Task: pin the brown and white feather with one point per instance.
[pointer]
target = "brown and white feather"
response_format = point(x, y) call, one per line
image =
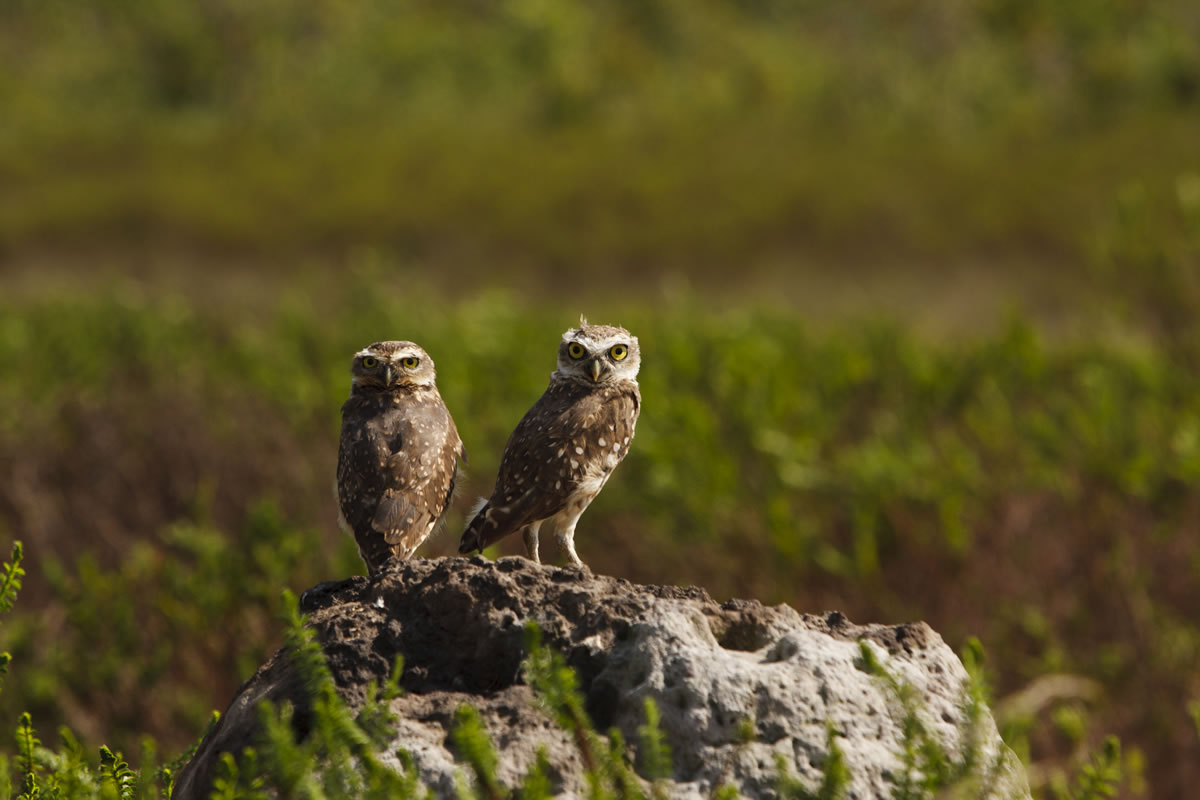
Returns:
point(398, 454)
point(567, 445)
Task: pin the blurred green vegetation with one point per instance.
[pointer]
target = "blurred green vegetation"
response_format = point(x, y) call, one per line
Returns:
point(167, 440)
point(1039, 495)
point(662, 130)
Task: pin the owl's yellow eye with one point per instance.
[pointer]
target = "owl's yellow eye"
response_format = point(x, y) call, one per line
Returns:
point(410, 362)
point(369, 362)
point(618, 352)
point(575, 350)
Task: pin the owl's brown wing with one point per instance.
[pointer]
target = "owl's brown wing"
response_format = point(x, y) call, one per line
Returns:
point(403, 517)
point(555, 447)
point(396, 470)
point(453, 451)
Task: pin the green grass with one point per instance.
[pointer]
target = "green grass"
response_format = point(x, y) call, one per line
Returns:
point(631, 132)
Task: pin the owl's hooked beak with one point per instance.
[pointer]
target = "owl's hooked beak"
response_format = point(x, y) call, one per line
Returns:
point(596, 369)
point(389, 375)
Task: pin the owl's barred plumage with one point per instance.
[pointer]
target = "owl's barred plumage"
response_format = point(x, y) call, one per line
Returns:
point(564, 449)
point(398, 453)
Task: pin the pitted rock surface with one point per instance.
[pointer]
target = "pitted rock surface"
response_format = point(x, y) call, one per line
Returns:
point(459, 623)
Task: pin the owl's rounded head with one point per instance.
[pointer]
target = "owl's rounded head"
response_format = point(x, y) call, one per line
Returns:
point(598, 354)
point(391, 365)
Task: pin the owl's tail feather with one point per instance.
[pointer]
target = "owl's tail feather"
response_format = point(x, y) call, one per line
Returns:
point(471, 540)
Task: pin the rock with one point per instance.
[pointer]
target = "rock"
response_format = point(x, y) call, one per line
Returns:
point(710, 667)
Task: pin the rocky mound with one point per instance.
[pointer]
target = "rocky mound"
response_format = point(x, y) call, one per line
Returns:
point(710, 667)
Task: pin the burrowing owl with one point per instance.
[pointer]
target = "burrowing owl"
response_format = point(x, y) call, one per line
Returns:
point(566, 446)
point(399, 451)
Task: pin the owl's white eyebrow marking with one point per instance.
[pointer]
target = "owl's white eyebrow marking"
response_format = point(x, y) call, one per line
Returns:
point(404, 352)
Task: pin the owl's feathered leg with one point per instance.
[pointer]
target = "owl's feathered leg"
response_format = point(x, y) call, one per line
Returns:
point(564, 534)
point(530, 534)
